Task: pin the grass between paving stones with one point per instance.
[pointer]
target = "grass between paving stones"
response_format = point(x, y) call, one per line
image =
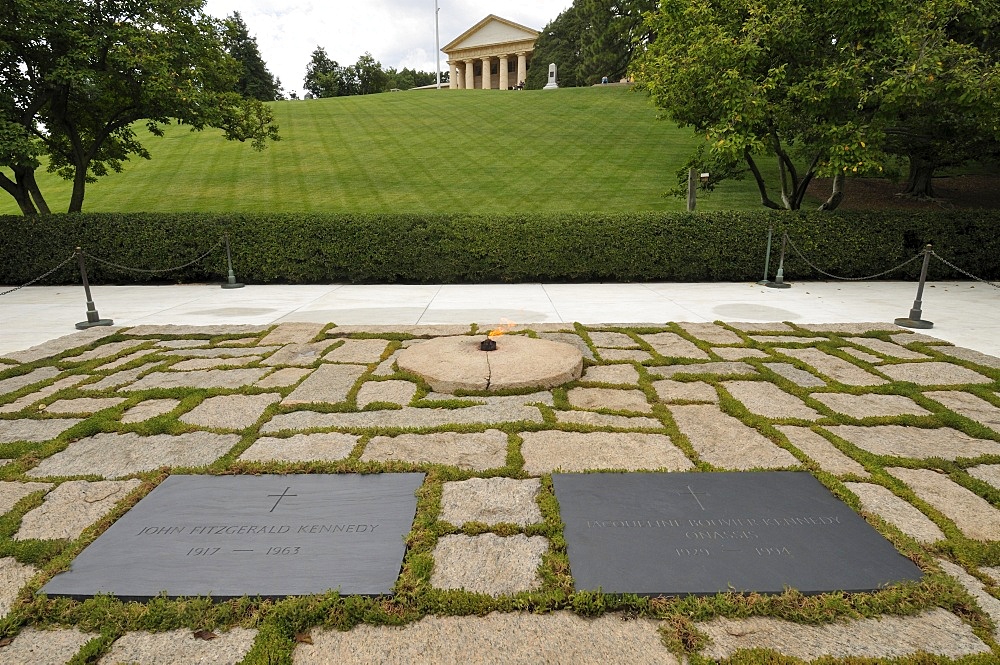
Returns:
point(283, 624)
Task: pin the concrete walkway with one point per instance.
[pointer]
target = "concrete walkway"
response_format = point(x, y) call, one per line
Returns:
point(964, 313)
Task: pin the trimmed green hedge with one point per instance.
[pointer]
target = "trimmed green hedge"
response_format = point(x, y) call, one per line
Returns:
point(675, 247)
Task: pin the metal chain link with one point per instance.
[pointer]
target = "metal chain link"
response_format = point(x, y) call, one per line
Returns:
point(38, 279)
point(964, 272)
point(153, 272)
point(850, 279)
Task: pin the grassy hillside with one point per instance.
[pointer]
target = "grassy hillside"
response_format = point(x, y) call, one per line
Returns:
point(590, 149)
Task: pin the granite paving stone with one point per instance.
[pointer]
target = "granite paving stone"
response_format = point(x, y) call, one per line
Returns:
point(605, 420)
point(632, 355)
point(972, 514)
point(836, 368)
point(612, 340)
point(125, 360)
point(988, 473)
point(284, 377)
point(364, 351)
point(15, 383)
point(209, 378)
point(118, 379)
point(37, 396)
point(212, 363)
point(970, 355)
point(298, 355)
point(134, 454)
point(540, 397)
point(182, 343)
point(824, 453)
point(219, 352)
point(557, 637)
point(691, 391)
point(754, 326)
point(711, 333)
point(799, 377)
point(768, 400)
point(45, 647)
point(385, 368)
point(984, 599)
point(788, 339)
point(329, 383)
point(416, 331)
point(573, 340)
point(849, 329)
point(293, 333)
point(13, 576)
point(72, 507)
point(915, 442)
point(718, 368)
point(870, 406)
point(888, 348)
point(672, 345)
point(488, 563)
point(393, 392)
point(53, 347)
point(738, 353)
point(173, 330)
point(230, 411)
point(83, 405)
point(407, 417)
point(993, 572)
point(863, 356)
point(547, 451)
point(180, 646)
point(968, 405)
point(34, 431)
point(896, 511)
point(725, 442)
point(322, 447)
point(12, 492)
point(491, 501)
point(935, 631)
point(609, 398)
point(150, 408)
point(910, 337)
point(933, 374)
point(470, 452)
point(105, 351)
point(616, 374)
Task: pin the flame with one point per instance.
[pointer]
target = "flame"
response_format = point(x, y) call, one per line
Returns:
point(506, 325)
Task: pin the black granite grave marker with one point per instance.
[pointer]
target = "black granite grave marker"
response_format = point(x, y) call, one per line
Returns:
point(704, 533)
point(270, 536)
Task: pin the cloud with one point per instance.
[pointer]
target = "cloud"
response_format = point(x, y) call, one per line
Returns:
point(398, 33)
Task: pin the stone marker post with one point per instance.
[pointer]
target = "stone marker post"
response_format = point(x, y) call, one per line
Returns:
point(553, 83)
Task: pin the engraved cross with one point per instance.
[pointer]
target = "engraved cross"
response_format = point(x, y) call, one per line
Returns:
point(694, 495)
point(280, 497)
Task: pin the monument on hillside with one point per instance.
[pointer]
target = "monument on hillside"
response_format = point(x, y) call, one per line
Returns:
point(553, 83)
point(494, 53)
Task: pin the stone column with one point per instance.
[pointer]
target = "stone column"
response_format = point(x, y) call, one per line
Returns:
point(504, 78)
point(453, 76)
point(522, 67)
point(487, 77)
point(470, 75)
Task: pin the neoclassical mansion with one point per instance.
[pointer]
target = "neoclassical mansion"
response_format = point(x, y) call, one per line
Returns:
point(493, 53)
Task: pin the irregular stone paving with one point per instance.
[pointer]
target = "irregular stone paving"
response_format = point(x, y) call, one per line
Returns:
point(517, 639)
point(824, 453)
point(915, 442)
point(488, 563)
point(319, 421)
point(72, 507)
point(62, 344)
point(901, 514)
point(546, 452)
point(936, 631)
point(711, 433)
point(870, 406)
point(491, 501)
point(972, 514)
point(766, 399)
point(180, 646)
point(836, 368)
point(119, 455)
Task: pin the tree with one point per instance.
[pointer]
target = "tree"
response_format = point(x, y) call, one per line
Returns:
point(324, 77)
point(255, 81)
point(612, 30)
point(368, 75)
point(559, 42)
point(78, 74)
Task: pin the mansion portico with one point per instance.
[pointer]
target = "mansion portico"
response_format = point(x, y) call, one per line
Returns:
point(493, 53)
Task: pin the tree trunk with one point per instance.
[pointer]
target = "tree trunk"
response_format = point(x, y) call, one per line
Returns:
point(79, 187)
point(36, 194)
point(837, 195)
point(19, 191)
point(761, 185)
point(920, 181)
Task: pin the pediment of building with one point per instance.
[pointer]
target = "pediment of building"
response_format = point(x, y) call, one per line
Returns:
point(491, 31)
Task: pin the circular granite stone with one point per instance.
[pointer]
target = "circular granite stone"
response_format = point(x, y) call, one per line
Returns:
point(456, 363)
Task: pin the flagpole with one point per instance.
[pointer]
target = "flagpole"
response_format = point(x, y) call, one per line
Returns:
point(437, 42)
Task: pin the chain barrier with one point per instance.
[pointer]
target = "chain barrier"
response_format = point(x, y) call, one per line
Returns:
point(851, 279)
point(38, 279)
point(159, 270)
point(954, 267)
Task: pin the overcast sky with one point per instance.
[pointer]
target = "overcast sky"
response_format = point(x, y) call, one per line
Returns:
point(398, 33)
